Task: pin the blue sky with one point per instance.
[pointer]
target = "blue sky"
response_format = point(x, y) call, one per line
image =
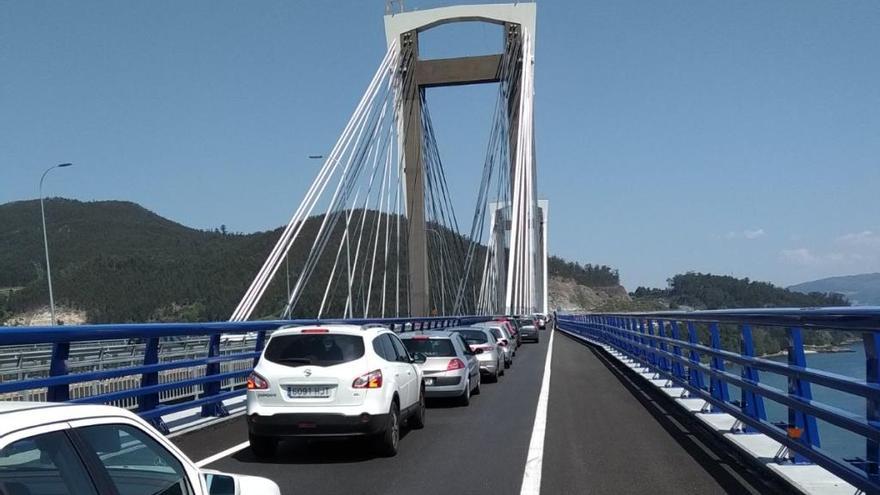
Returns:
point(739, 137)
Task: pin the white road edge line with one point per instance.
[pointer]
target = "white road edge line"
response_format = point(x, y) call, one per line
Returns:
point(220, 455)
point(531, 484)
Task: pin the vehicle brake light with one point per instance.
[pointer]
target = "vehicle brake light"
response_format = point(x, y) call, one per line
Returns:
point(455, 364)
point(315, 330)
point(502, 342)
point(372, 379)
point(420, 337)
point(256, 382)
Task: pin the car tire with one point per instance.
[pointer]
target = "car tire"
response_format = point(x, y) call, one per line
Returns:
point(477, 388)
point(501, 367)
point(263, 447)
point(387, 441)
point(507, 363)
point(464, 399)
point(417, 420)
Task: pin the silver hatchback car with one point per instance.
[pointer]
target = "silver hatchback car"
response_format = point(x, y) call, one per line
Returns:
point(503, 339)
point(489, 354)
point(452, 368)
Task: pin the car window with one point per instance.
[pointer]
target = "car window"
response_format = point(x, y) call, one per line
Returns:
point(384, 348)
point(464, 345)
point(474, 337)
point(496, 333)
point(136, 463)
point(324, 349)
point(430, 347)
point(43, 465)
point(402, 354)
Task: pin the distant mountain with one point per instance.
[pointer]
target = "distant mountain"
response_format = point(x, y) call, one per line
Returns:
point(861, 290)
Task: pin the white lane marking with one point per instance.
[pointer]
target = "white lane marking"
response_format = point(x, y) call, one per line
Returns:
point(220, 455)
point(531, 484)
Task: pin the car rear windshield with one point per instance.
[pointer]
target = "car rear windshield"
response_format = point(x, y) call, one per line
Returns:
point(314, 350)
point(430, 347)
point(473, 337)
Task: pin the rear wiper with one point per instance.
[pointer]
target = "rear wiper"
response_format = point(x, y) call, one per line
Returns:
point(294, 360)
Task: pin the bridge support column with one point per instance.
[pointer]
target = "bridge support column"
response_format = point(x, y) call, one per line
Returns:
point(417, 242)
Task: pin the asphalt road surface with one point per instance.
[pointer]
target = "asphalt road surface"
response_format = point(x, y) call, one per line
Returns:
point(604, 434)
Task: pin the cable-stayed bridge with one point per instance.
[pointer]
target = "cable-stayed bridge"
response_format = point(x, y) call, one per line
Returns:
point(388, 230)
point(604, 403)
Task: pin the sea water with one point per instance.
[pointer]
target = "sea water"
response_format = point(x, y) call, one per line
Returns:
point(837, 442)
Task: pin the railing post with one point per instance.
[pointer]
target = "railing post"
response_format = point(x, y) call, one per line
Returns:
point(752, 404)
point(717, 386)
point(661, 331)
point(652, 356)
point(695, 376)
point(58, 367)
point(213, 388)
point(872, 410)
point(643, 352)
point(259, 344)
point(148, 402)
point(804, 424)
point(677, 367)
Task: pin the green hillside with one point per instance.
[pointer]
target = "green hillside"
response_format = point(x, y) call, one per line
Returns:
point(123, 263)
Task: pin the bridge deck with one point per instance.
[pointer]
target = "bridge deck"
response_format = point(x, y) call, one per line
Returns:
point(604, 435)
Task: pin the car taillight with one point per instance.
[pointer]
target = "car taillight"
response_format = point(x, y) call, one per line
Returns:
point(372, 379)
point(502, 342)
point(455, 364)
point(489, 348)
point(315, 330)
point(256, 382)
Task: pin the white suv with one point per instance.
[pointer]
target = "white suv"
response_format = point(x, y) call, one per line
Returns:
point(335, 380)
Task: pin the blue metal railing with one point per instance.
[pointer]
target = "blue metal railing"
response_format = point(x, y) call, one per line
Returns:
point(697, 362)
point(149, 404)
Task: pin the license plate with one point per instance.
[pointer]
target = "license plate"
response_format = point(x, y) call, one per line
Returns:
point(429, 381)
point(309, 392)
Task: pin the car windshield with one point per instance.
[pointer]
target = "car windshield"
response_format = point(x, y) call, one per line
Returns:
point(523, 322)
point(430, 347)
point(474, 337)
point(314, 350)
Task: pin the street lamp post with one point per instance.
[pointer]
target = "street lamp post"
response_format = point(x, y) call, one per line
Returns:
point(46, 240)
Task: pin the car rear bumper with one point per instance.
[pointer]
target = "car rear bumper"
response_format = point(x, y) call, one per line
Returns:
point(316, 425)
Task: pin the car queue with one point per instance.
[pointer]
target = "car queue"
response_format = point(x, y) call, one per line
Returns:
point(344, 380)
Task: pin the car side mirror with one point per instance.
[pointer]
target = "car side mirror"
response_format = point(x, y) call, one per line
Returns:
point(236, 484)
point(419, 358)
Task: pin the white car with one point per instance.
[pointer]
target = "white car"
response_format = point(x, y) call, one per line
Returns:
point(95, 449)
point(332, 381)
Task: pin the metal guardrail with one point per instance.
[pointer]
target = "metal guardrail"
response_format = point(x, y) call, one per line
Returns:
point(154, 368)
point(685, 348)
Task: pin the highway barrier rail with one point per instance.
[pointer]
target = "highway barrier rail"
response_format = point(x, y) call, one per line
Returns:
point(155, 369)
point(686, 349)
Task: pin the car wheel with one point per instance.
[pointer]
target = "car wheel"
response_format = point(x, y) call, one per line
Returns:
point(417, 420)
point(501, 367)
point(507, 363)
point(477, 388)
point(465, 398)
point(388, 440)
point(263, 447)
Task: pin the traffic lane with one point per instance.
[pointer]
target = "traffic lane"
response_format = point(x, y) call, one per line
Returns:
point(466, 449)
point(607, 435)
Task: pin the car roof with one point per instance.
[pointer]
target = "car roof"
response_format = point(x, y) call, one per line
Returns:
point(17, 415)
point(431, 334)
point(346, 329)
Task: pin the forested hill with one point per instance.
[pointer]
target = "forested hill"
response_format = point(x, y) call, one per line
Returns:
point(120, 262)
point(706, 291)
